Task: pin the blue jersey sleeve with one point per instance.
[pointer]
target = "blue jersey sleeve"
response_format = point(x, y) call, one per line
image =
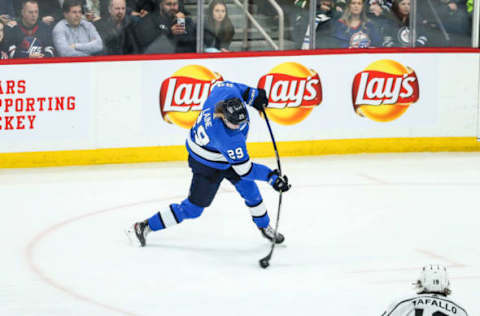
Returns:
point(258, 172)
point(226, 89)
point(215, 145)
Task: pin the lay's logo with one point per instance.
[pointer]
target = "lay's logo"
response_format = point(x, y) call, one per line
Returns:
point(293, 91)
point(183, 93)
point(384, 90)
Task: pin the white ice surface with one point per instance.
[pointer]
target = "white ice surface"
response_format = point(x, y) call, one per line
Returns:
point(358, 228)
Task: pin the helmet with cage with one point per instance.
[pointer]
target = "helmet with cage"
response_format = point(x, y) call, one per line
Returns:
point(433, 279)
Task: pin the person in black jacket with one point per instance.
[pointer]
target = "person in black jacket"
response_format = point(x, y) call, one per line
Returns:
point(397, 29)
point(117, 30)
point(447, 21)
point(325, 14)
point(30, 38)
point(141, 8)
point(167, 30)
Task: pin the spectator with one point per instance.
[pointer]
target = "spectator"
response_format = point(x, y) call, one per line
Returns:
point(117, 30)
point(397, 30)
point(50, 11)
point(219, 29)
point(354, 29)
point(326, 13)
point(3, 50)
point(449, 25)
point(141, 8)
point(73, 36)
point(379, 12)
point(338, 5)
point(92, 9)
point(30, 38)
point(160, 32)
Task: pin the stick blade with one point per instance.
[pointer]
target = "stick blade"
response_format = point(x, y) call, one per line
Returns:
point(264, 262)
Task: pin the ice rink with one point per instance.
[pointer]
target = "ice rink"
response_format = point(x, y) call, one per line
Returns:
point(358, 228)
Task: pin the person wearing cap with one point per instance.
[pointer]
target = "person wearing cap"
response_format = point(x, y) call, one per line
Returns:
point(217, 150)
point(433, 289)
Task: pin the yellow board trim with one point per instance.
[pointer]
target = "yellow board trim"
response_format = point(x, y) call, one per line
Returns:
point(294, 148)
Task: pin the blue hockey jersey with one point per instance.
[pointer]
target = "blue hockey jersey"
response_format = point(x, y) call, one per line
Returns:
point(213, 144)
point(363, 36)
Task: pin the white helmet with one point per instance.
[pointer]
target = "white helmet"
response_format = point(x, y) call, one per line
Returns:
point(433, 279)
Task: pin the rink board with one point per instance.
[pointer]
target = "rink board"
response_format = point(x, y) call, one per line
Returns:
point(117, 111)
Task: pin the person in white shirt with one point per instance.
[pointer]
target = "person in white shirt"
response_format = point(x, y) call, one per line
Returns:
point(433, 288)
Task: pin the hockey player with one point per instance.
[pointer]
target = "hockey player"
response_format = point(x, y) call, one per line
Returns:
point(433, 287)
point(217, 150)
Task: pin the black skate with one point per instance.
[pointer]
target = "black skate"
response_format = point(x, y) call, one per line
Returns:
point(269, 233)
point(138, 232)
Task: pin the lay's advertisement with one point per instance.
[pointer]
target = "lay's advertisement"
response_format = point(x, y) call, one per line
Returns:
point(384, 90)
point(152, 104)
point(320, 97)
point(182, 94)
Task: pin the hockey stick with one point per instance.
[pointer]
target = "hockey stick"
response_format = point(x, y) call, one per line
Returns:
point(265, 262)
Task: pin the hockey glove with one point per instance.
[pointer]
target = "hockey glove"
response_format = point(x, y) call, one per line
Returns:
point(260, 101)
point(280, 184)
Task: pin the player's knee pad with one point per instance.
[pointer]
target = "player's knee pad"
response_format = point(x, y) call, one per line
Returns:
point(189, 210)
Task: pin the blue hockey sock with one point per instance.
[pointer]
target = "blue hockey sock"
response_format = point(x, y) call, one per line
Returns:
point(261, 221)
point(174, 214)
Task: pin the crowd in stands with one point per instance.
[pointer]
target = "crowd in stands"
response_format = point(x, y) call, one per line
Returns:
point(386, 23)
point(46, 28)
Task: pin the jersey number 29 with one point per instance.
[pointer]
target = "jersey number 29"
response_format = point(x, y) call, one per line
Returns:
point(237, 154)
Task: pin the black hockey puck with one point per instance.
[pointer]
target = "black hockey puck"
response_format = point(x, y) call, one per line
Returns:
point(264, 263)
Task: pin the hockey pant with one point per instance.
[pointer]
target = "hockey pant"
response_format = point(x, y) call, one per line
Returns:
point(203, 188)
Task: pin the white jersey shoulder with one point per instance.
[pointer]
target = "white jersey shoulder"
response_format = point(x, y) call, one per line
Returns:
point(425, 305)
